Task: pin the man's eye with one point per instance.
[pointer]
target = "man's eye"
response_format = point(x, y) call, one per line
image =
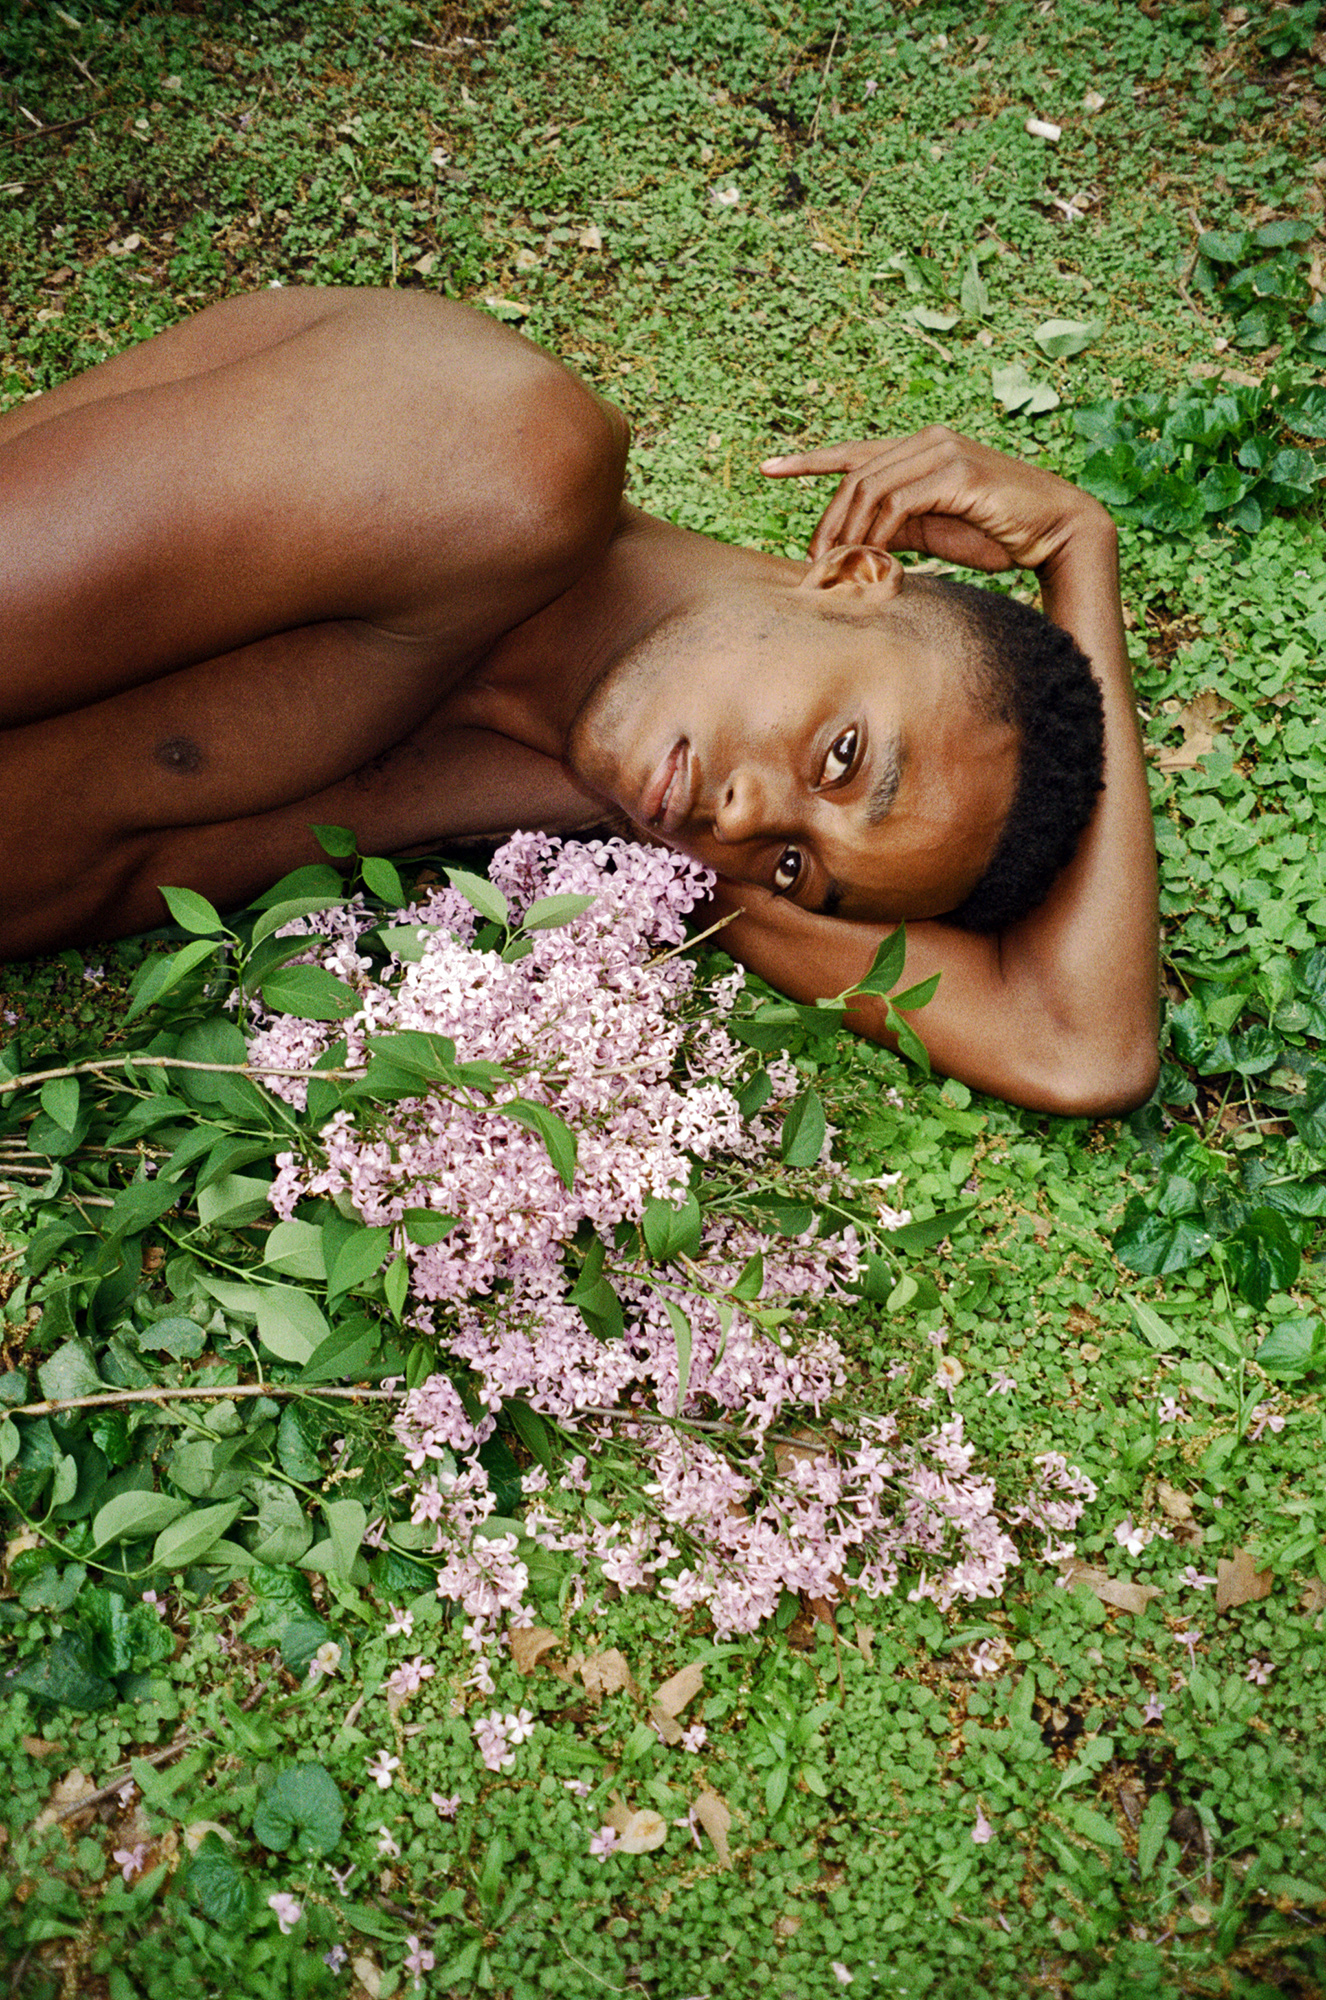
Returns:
point(787, 873)
point(841, 757)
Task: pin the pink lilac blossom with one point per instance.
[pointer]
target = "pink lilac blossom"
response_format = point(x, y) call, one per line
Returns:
point(286, 1910)
point(983, 1832)
point(602, 1843)
point(616, 1037)
point(1264, 1419)
point(1260, 1671)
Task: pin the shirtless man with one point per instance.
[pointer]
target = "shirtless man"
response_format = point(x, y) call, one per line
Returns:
point(363, 558)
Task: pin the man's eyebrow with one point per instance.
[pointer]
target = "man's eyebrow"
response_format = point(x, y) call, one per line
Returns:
point(889, 761)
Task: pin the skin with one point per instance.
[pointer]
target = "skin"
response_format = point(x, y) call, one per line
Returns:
point(363, 558)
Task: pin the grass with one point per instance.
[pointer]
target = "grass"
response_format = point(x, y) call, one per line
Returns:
point(560, 163)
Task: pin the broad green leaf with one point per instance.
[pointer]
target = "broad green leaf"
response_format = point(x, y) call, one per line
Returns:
point(548, 913)
point(671, 1229)
point(309, 992)
point(64, 1672)
point(426, 1226)
point(277, 915)
point(1060, 338)
point(291, 1324)
point(359, 1258)
point(295, 1248)
point(937, 322)
point(397, 1284)
point(242, 1300)
point(973, 295)
point(481, 894)
point(338, 841)
point(301, 1805)
point(750, 1281)
point(532, 1431)
point(755, 1093)
point(406, 940)
point(1094, 1826)
point(1262, 1256)
point(182, 1339)
point(219, 1886)
point(192, 912)
point(346, 1522)
point(233, 1202)
point(681, 1333)
point(383, 879)
point(886, 967)
point(164, 973)
point(802, 1139)
point(1014, 388)
point(59, 1100)
point(317, 880)
point(283, 1533)
point(1152, 1327)
point(187, 1540)
point(346, 1353)
point(929, 1231)
point(138, 1205)
point(1289, 1347)
point(556, 1135)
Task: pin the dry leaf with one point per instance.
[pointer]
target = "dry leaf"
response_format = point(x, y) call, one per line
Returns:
point(642, 1832)
point(712, 1813)
point(1240, 1581)
point(527, 260)
point(1175, 1503)
point(604, 1673)
point(424, 265)
point(672, 1698)
point(528, 1645)
point(369, 1976)
point(1198, 720)
point(589, 238)
point(1124, 1596)
point(37, 1746)
point(1314, 1597)
point(865, 1642)
point(74, 1785)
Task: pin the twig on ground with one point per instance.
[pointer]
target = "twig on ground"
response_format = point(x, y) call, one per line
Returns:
point(232, 1389)
point(824, 81)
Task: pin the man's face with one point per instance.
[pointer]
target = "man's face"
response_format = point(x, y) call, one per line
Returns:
point(836, 761)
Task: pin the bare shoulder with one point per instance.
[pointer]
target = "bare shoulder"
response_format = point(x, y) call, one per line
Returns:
point(287, 459)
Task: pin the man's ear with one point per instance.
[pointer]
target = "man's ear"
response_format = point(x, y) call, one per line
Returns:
point(856, 570)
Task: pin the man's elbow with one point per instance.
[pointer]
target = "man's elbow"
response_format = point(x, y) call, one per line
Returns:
point(1099, 1083)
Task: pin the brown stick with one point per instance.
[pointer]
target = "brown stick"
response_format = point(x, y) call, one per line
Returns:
point(61, 1403)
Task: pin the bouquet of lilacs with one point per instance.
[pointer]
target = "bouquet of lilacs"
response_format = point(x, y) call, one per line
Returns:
point(576, 1204)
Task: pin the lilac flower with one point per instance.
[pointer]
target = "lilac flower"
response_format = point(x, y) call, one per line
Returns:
point(447, 1808)
point(402, 1622)
point(1189, 1639)
point(602, 1843)
point(1170, 1410)
point(1263, 1419)
point(407, 1679)
point(840, 1973)
point(1154, 1709)
point(131, 1861)
point(337, 1958)
point(694, 1738)
point(983, 1831)
point(418, 1960)
point(341, 1877)
point(580, 1786)
point(519, 1726)
point(388, 1846)
point(326, 1660)
point(1260, 1671)
point(1001, 1383)
point(287, 1910)
point(1131, 1538)
point(381, 1768)
point(1195, 1579)
point(491, 1740)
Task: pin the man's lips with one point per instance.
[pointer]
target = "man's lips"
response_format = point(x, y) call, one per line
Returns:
point(666, 799)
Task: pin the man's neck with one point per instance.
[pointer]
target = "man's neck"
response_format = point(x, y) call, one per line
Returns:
point(534, 681)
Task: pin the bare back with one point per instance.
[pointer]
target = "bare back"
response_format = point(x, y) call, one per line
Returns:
point(244, 566)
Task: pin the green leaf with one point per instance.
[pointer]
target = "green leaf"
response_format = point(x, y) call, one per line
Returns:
point(295, 1248)
point(323, 884)
point(138, 1205)
point(532, 1431)
point(283, 1533)
point(750, 1281)
point(309, 992)
point(426, 1226)
point(70, 1371)
point(556, 1135)
point(1013, 387)
point(1060, 338)
point(1154, 1244)
point(187, 1540)
point(929, 1231)
point(338, 841)
point(1094, 1826)
point(755, 1093)
point(59, 1100)
point(383, 879)
point(277, 915)
point(802, 1138)
point(919, 995)
point(232, 1202)
point(1288, 1348)
point(937, 322)
point(346, 1522)
point(346, 1352)
point(291, 1324)
point(1262, 1256)
point(182, 1339)
point(681, 1333)
point(219, 1886)
point(407, 941)
point(397, 1284)
point(63, 1673)
point(359, 1257)
point(671, 1229)
point(1152, 1327)
point(481, 895)
point(161, 974)
point(886, 967)
point(301, 1805)
point(192, 912)
point(973, 296)
point(241, 1300)
point(549, 913)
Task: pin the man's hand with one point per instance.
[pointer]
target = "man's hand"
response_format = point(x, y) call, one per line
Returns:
point(944, 495)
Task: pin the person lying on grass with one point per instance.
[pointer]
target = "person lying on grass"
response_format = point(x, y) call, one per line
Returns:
point(362, 558)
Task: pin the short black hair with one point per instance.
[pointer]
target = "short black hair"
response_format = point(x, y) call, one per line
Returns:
point(1028, 673)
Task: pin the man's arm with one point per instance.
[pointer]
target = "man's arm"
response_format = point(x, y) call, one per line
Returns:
point(1058, 1012)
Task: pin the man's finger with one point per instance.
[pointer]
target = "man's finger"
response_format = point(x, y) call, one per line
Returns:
point(844, 457)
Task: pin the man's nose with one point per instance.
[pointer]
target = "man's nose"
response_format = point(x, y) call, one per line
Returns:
point(744, 807)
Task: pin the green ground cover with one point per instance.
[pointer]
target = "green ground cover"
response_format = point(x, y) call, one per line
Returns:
point(756, 227)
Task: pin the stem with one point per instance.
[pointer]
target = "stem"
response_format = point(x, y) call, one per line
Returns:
point(699, 938)
point(62, 1403)
point(172, 1062)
